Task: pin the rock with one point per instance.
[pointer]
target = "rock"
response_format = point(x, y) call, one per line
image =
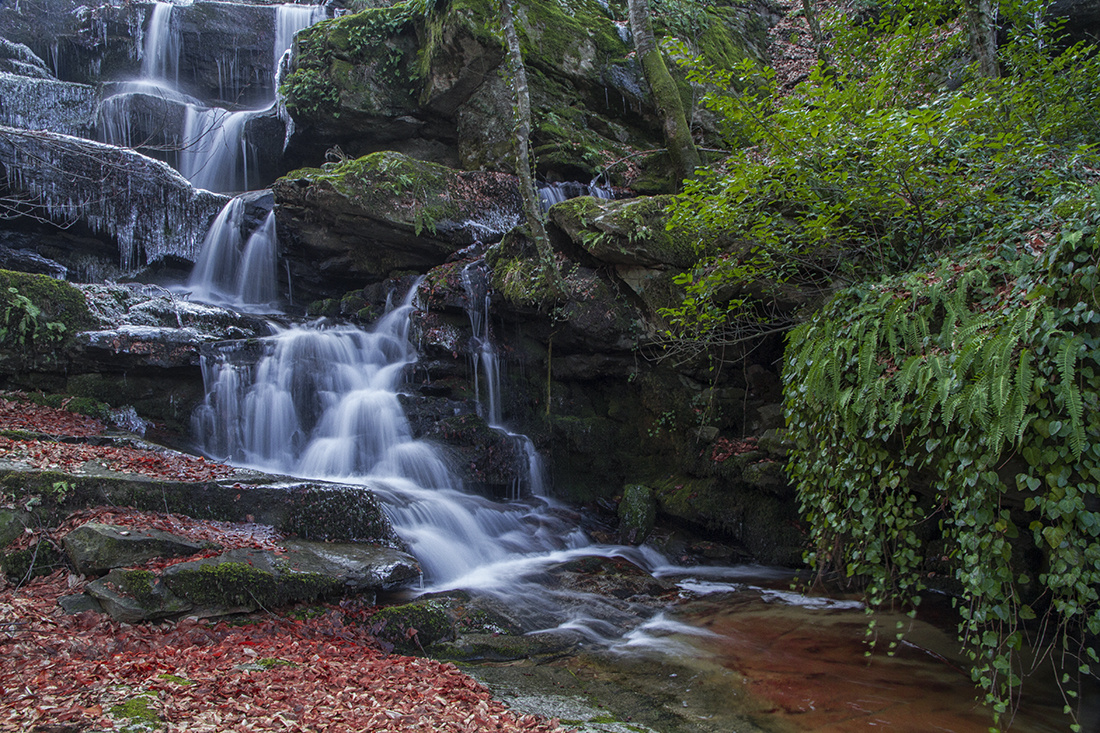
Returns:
point(79, 603)
point(20, 60)
point(309, 510)
point(130, 346)
point(628, 232)
point(12, 524)
point(637, 514)
point(417, 215)
point(95, 548)
point(84, 43)
point(485, 458)
point(48, 104)
point(41, 558)
point(132, 596)
point(357, 567)
point(612, 577)
point(142, 204)
point(413, 627)
point(241, 580)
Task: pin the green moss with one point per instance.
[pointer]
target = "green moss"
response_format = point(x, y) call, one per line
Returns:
point(175, 678)
point(80, 405)
point(234, 584)
point(365, 63)
point(42, 559)
point(139, 584)
point(138, 713)
point(414, 626)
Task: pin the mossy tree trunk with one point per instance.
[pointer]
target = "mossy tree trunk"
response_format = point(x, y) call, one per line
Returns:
point(666, 95)
point(981, 21)
point(532, 207)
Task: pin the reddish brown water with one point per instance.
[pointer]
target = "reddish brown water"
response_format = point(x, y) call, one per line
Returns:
point(806, 669)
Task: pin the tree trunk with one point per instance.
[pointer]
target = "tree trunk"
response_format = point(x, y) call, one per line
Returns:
point(814, 25)
point(666, 95)
point(981, 21)
point(532, 207)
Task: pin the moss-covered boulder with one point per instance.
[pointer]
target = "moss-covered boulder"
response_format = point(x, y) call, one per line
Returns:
point(433, 85)
point(132, 596)
point(95, 548)
point(361, 220)
point(630, 232)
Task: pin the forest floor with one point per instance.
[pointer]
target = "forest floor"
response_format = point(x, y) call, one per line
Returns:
point(312, 668)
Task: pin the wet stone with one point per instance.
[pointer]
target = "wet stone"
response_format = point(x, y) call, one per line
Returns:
point(95, 548)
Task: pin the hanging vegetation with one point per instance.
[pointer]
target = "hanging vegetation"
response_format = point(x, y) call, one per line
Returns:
point(954, 415)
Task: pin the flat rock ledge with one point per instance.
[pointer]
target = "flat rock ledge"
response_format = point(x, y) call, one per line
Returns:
point(330, 540)
point(247, 580)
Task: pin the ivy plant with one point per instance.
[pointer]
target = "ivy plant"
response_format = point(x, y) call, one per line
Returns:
point(953, 414)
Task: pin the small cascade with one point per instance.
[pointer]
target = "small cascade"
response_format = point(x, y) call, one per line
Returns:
point(231, 270)
point(209, 144)
point(555, 193)
point(289, 19)
point(475, 281)
point(322, 403)
point(160, 58)
point(216, 151)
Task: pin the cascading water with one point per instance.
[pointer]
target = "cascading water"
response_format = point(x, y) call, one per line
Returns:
point(475, 280)
point(232, 270)
point(322, 403)
point(555, 193)
point(161, 52)
point(214, 151)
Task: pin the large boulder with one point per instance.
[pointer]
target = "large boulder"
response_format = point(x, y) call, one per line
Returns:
point(361, 220)
point(35, 103)
point(435, 86)
point(95, 548)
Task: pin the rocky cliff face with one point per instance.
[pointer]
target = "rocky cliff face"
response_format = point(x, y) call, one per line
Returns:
point(401, 123)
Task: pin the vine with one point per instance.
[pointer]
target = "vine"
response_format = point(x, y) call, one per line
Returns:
point(959, 409)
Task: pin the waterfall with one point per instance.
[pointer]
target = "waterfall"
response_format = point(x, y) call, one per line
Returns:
point(555, 193)
point(322, 403)
point(231, 270)
point(475, 281)
point(216, 150)
point(289, 19)
point(161, 53)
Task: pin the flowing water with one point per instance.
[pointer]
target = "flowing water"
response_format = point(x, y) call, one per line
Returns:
point(322, 403)
point(209, 145)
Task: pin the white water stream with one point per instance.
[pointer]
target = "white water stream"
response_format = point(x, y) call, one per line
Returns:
point(212, 145)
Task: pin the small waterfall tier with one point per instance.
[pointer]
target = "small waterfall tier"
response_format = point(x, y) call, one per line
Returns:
point(555, 193)
point(323, 403)
point(486, 370)
point(237, 267)
point(211, 143)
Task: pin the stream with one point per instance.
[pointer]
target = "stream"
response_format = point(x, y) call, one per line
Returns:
point(721, 649)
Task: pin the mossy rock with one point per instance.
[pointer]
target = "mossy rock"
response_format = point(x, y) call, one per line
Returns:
point(133, 596)
point(41, 559)
point(38, 318)
point(628, 232)
point(245, 580)
point(419, 214)
point(415, 626)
